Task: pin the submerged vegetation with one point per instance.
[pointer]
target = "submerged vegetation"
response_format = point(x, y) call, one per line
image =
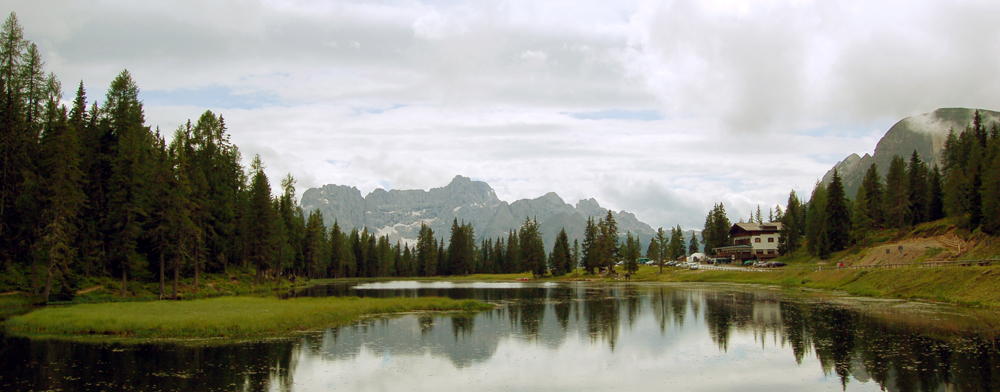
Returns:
point(227, 317)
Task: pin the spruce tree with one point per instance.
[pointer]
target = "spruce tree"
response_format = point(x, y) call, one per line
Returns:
point(63, 194)
point(816, 241)
point(694, 246)
point(532, 248)
point(426, 251)
point(590, 246)
point(919, 192)
point(897, 200)
point(838, 216)
point(872, 183)
point(789, 238)
point(861, 222)
point(935, 209)
point(560, 258)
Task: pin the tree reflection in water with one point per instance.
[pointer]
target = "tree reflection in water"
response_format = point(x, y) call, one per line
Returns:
point(849, 344)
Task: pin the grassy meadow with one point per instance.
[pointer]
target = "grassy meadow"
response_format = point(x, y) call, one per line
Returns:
point(224, 317)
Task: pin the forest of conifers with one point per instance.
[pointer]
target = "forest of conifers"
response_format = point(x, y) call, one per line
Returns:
point(92, 190)
point(966, 191)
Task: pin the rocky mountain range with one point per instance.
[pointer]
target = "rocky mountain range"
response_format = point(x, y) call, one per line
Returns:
point(399, 213)
point(925, 133)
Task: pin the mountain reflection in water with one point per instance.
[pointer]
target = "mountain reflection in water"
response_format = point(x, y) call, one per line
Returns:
point(555, 337)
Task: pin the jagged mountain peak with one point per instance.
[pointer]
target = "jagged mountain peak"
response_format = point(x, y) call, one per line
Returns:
point(400, 213)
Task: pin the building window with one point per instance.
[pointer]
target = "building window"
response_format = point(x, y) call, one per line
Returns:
point(770, 239)
point(756, 239)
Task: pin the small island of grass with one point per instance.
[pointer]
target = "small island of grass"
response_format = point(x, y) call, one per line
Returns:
point(226, 317)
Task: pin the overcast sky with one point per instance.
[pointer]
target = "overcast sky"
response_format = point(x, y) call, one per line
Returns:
point(661, 108)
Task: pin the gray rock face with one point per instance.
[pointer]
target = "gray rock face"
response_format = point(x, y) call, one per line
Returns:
point(400, 213)
point(925, 134)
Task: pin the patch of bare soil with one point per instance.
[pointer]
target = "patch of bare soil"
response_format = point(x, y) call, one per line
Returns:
point(948, 246)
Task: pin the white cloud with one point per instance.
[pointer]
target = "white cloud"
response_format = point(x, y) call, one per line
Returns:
point(678, 104)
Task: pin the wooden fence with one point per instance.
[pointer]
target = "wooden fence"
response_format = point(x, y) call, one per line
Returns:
point(928, 264)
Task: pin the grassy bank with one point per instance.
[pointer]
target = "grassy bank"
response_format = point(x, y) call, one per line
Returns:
point(226, 317)
point(974, 286)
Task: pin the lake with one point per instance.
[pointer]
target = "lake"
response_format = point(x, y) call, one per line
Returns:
point(560, 336)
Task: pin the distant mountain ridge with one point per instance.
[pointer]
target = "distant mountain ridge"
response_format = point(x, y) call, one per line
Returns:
point(924, 133)
point(399, 213)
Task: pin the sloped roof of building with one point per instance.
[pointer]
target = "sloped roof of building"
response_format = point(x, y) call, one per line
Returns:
point(752, 227)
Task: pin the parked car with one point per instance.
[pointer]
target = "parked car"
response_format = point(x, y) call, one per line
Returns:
point(693, 265)
point(775, 264)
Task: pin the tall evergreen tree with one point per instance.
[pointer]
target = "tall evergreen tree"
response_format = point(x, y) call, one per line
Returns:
point(693, 245)
point(262, 222)
point(919, 192)
point(590, 246)
point(607, 240)
point(63, 194)
point(897, 200)
point(630, 253)
point(532, 248)
point(872, 183)
point(791, 231)
point(935, 209)
point(816, 222)
point(426, 251)
point(838, 217)
point(560, 260)
point(127, 196)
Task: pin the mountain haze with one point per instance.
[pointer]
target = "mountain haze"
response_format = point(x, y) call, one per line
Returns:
point(925, 133)
point(399, 213)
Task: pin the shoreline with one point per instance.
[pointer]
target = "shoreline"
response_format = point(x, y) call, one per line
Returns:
point(235, 318)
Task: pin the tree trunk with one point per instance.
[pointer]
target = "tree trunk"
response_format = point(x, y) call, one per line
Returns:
point(176, 275)
point(163, 293)
point(197, 263)
point(124, 282)
point(48, 280)
point(34, 279)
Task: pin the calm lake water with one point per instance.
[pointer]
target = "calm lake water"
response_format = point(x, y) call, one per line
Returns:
point(550, 337)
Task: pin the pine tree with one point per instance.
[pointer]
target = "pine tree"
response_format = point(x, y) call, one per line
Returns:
point(694, 246)
point(789, 239)
point(653, 250)
point(630, 252)
point(897, 201)
point(838, 217)
point(335, 267)
point(63, 194)
point(315, 245)
point(513, 253)
point(560, 258)
point(262, 221)
point(607, 240)
point(935, 209)
point(816, 222)
point(426, 251)
point(662, 240)
point(919, 193)
point(590, 246)
point(127, 196)
point(532, 248)
point(872, 183)
point(990, 195)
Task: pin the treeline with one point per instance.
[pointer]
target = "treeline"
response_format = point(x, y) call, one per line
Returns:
point(965, 190)
point(90, 190)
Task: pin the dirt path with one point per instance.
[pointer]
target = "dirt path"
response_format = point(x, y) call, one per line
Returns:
point(89, 290)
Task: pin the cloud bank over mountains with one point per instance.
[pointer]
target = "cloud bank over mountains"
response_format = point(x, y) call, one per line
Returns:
point(662, 108)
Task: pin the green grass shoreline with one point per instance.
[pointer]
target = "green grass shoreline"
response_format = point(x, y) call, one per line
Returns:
point(237, 318)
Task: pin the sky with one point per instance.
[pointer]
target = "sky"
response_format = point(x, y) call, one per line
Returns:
point(660, 108)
